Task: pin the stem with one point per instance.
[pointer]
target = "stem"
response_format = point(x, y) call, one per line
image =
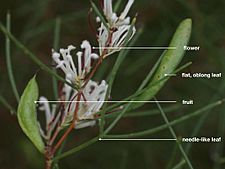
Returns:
point(76, 149)
point(54, 136)
point(48, 164)
point(71, 126)
point(7, 105)
point(8, 59)
point(179, 165)
point(48, 158)
point(93, 71)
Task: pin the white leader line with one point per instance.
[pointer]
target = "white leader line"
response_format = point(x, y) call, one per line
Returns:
point(107, 101)
point(170, 74)
point(138, 48)
point(137, 139)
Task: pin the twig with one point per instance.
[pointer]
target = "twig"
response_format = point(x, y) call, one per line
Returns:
point(7, 105)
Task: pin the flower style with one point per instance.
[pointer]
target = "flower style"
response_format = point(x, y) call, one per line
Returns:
point(75, 74)
point(119, 27)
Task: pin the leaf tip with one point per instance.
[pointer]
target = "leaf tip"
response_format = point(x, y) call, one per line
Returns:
point(187, 22)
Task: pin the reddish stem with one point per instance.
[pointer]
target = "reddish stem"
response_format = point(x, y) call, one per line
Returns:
point(71, 126)
point(48, 157)
point(54, 136)
point(92, 72)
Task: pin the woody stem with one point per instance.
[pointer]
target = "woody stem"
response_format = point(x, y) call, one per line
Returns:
point(48, 157)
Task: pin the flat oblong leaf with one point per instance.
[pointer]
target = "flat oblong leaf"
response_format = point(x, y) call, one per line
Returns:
point(170, 60)
point(27, 115)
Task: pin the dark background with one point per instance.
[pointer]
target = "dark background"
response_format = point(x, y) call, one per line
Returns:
point(33, 24)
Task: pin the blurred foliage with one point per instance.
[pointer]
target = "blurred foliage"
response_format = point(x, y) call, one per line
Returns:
point(33, 23)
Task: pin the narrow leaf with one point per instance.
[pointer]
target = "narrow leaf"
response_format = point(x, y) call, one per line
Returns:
point(117, 6)
point(33, 57)
point(172, 123)
point(174, 136)
point(7, 105)
point(27, 116)
point(8, 59)
point(76, 149)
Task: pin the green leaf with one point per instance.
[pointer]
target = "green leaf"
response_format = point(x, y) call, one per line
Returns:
point(170, 60)
point(27, 115)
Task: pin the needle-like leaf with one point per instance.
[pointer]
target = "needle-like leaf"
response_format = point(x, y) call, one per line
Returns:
point(8, 59)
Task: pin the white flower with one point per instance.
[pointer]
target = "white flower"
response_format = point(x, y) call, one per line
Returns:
point(113, 19)
point(73, 73)
point(111, 40)
point(91, 102)
point(51, 119)
point(117, 39)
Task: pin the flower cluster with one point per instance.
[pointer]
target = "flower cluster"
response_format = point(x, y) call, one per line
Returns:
point(93, 94)
point(89, 97)
point(113, 20)
point(91, 102)
point(59, 117)
point(112, 38)
point(75, 74)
